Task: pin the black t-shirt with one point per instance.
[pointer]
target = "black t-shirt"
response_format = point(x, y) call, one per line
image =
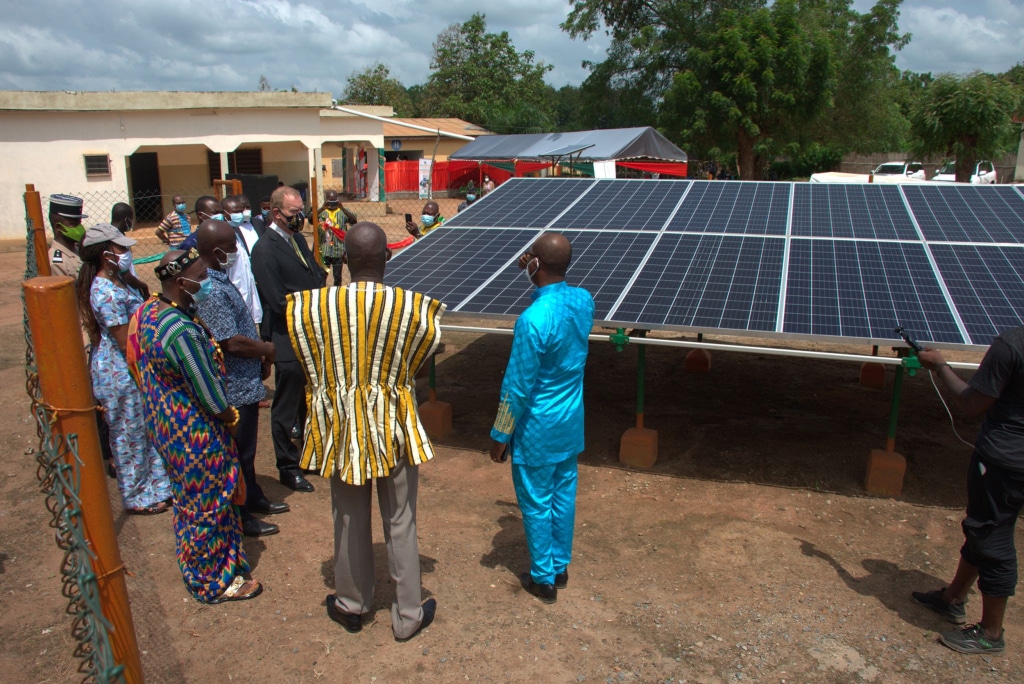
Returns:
point(1001, 374)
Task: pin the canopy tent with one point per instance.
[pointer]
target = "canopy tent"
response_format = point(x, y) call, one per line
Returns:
point(613, 144)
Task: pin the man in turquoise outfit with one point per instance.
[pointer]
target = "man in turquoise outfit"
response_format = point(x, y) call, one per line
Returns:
point(540, 419)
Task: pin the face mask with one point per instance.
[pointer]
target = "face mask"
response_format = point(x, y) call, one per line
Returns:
point(470, 198)
point(295, 222)
point(265, 212)
point(428, 220)
point(529, 274)
point(235, 219)
point(74, 233)
point(246, 215)
point(215, 217)
point(180, 207)
point(128, 224)
point(205, 288)
point(231, 258)
point(124, 261)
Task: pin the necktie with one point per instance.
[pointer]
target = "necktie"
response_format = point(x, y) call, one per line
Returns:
point(295, 246)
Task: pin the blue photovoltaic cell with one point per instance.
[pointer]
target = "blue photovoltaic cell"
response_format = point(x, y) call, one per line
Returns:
point(708, 281)
point(850, 211)
point(964, 213)
point(986, 284)
point(843, 288)
point(625, 205)
point(741, 208)
point(450, 264)
point(522, 203)
point(602, 263)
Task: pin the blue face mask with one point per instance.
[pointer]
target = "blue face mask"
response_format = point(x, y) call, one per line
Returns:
point(265, 212)
point(236, 218)
point(180, 208)
point(470, 198)
point(205, 288)
point(428, 220)
point(215, 217)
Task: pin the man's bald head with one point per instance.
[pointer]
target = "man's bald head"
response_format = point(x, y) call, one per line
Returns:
point(366, 251)
point(554, 252)
point(213, 235)
point(431, 208)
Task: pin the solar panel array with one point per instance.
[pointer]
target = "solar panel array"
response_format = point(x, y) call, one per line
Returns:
point(801, 260)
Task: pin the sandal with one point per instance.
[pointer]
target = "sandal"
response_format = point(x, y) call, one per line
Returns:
point(155, 509)
point(240, 589)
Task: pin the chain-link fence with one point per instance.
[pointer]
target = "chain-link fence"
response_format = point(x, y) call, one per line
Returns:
point(59, 484)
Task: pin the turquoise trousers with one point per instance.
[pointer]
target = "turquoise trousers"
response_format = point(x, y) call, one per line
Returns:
point(547, 500)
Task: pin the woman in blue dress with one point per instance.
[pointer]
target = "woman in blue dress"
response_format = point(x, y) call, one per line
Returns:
point(106, 302)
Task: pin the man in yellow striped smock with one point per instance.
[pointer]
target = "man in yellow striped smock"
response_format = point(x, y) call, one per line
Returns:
point(361, 347)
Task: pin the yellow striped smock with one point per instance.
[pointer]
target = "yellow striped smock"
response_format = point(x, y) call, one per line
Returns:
point(361, 347)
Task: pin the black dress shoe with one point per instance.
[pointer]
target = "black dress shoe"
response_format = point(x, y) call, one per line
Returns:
point(562, 579)
point(545, 592)
point(268, 507)
point(296, 481)
point(258, 528)
point(350, 621)
point(429, 609)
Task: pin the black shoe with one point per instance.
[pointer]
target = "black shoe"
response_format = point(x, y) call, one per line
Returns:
point(257, 528)
point(350, 621)
point(296, 481)
point(545, 592)
point(268, 507)
point(953, 612)
point(429, 609)
point(562, 579)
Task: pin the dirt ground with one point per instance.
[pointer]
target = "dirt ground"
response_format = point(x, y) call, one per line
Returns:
point(749, 552)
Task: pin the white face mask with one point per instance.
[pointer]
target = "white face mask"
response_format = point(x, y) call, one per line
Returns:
point(530, 274)
point(124, 261)
point(231, 258)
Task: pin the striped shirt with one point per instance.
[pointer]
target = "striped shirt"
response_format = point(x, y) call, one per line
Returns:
point(361, 347)
point(187, 346)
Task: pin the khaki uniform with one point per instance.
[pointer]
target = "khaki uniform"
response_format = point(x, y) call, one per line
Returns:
point(64, 262)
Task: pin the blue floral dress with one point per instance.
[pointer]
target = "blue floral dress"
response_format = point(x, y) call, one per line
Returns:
point(141, 475)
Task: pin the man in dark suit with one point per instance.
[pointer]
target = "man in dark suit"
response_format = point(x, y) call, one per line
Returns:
point(282, 263)
point(259, 221)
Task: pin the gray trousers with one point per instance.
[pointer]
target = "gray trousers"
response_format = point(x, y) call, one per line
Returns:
point(353, 545)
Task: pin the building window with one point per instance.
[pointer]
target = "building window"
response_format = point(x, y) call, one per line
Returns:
point(213, 164)
point(246, 161)
point(97, 165)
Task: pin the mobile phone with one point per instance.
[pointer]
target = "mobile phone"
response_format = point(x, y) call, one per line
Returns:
point(908, 339)
point(408, 218)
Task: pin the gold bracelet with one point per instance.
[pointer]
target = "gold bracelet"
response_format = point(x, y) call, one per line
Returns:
point(234, 421)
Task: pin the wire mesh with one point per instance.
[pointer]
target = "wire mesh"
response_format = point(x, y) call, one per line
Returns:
point(59, 483)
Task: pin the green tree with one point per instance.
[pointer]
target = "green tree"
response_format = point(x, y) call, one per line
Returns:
point(374, 86)
point(751, 84)
point(480, 77)
point(967, 117)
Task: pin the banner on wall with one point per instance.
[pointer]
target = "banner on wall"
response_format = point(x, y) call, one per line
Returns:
point(424, 178)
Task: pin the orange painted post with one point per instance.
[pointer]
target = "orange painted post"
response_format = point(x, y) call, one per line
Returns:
point(34, 209)
point(66, 388)
point(314, 217)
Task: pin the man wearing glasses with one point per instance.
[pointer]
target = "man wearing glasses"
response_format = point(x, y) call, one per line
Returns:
point(282, 263)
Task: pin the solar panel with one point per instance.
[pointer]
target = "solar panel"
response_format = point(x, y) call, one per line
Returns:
point(775, 259)
point(863, 289)
point(707, 281)
point(602, 262)
point(625, 205)
point(986, 284)
point(744, 208)
point(522, 203)
point(959, 213)
point(851, 211)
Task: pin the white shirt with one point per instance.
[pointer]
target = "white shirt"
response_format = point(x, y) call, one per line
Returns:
point(240, 276)
point(250, 235)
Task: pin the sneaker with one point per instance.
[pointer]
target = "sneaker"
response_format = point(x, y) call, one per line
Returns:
point(954, 612)
point(973, 640)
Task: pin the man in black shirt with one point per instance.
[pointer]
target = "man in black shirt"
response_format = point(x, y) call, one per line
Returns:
point(995, 493)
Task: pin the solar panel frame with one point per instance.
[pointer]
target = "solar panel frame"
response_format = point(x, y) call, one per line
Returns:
point(522, 203)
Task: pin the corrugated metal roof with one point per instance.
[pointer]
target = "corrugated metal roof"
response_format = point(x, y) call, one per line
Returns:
point(458, 126)
point(603, 145)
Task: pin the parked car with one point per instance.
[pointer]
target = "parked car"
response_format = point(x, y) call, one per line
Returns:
point(908, 169)
point(984, 173)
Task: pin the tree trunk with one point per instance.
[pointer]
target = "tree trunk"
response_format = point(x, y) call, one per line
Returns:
point(965, 162)
point(745, 155)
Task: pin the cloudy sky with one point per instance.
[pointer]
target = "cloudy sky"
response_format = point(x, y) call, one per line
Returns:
point(315, 44)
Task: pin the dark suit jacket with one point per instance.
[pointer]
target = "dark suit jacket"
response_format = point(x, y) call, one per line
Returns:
point(278, 273)
point(259, 224)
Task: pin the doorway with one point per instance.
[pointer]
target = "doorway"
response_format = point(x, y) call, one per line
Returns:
point(145, 179)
